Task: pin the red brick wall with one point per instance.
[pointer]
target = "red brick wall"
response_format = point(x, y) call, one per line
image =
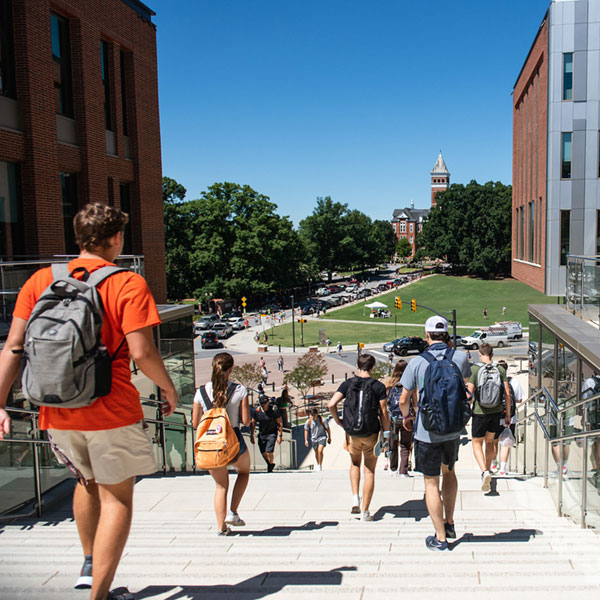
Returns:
point(436, 191)
point(42, 158)
point(530, 127)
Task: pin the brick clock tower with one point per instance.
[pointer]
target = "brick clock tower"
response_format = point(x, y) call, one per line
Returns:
point(440, 178)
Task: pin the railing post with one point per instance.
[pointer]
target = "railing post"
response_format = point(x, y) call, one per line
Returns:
point(35, 450)
point(535, 436)
point(584, 469)
point(560, 466)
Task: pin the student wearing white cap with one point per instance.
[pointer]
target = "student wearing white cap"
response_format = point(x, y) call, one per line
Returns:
point(435, 453)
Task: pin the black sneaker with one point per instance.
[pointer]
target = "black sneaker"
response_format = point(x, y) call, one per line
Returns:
point(450, 531)
point(121, 593)
point(85, 576)
point(435, 545)
point(270, 467)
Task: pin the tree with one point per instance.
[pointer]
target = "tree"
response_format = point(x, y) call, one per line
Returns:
point(229, 243)
point(471, 228)
point(309, 370)
point(382, 241)
point(403, 249)
point(248, 374)
point(381, 369)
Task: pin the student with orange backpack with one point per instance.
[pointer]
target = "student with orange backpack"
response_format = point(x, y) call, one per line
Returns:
point(214, 424)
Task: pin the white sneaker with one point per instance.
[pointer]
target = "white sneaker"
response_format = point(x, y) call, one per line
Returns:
point(320, 468)
point(393, 473)
point(366, 516)
point(234, 519)
point(404, 475)
point(495, 467)
point(486, 481)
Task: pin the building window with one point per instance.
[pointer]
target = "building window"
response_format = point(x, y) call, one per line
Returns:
point(531, 230)
point(61, 55)
point(598, 233)
point(7, 51)
point(70, 206)
point(411, 239)
point(403, 227)
point(522, 228)
point(124, 80)
point(106, 77)
point(567, 76)
point(411, 227)
point(125, 195)
point(565, 159)
point(12, 236)
point(565, 235)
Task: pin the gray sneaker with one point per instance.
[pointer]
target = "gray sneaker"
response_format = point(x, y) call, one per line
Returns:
point(226, 531)
point(486, 481)
point(234, 519)
point(366, 516)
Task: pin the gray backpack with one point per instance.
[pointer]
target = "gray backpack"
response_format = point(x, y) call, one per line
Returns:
point(66, 364)
point(489, 386)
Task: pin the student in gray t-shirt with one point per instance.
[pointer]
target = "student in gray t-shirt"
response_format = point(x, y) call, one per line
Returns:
point(434, 452)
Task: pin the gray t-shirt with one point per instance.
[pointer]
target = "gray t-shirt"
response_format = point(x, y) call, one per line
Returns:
point(414, 378)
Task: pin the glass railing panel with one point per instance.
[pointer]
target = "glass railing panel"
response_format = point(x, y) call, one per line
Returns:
point(593, 484)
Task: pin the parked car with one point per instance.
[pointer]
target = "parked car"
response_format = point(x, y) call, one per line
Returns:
point(238, 323)
point(409, 344)
point(269, 309)
point(488, 335)
point(389, 346)
point(231, 316)
point(308, 309)
point(323, 291)
point(210, 340)
point(205, 322)
point(222, 329)
point(334, 289)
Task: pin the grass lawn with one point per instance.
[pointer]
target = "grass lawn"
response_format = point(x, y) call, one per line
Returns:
point(347, 333)
point(468, 296)
point(443, 293)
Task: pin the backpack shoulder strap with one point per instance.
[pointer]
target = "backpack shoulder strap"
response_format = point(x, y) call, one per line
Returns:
point(99, 275)
point(207, 401)
point(428, 356)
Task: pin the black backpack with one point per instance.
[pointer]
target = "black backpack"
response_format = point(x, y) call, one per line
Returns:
point(393, 400)
point(361, 408)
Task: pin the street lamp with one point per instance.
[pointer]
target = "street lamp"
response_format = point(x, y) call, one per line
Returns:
point(293, 327)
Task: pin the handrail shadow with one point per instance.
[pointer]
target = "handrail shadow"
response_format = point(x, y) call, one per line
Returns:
point(286, 530)
point(514, 535)
point(259, 586)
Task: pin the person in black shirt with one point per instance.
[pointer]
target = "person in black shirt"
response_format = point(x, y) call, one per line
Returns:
point(362, 444)
point(270, 430)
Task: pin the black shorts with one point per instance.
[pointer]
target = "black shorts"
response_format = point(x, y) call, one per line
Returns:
point(429, 457)
point(266, 442)
point(482, 424)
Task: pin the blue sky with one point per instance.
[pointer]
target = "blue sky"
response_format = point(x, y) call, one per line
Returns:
point(347, 98)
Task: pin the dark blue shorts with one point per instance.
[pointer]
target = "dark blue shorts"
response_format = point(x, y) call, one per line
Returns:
point(243, 446)
point(429, 457)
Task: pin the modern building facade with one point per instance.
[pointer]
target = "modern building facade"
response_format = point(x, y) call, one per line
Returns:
point(556, 153)
point(79, 123)
point(408, 222)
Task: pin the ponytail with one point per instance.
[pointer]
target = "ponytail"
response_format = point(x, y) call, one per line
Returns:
point(221, 364)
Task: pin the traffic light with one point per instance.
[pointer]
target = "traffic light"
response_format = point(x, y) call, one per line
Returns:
point(398, 303)
point(413, 305)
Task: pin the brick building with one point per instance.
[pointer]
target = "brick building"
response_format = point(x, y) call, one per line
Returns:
point(408, 222)
point(556, 152)
point(78, 123)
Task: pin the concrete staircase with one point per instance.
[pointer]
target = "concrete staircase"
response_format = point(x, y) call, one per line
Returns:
point(300, 541)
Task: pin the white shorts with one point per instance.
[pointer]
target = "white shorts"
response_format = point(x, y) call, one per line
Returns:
point(108, 456)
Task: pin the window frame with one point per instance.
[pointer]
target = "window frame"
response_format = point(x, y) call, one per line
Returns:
point(563, 162)
point(64, 87)
point(564, 236)
point(567, 75)
point(8, 77)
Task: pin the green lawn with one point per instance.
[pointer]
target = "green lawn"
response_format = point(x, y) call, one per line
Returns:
point(468, 296)
point(443, 293)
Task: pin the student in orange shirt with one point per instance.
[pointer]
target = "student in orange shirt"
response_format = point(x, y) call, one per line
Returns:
point(103, 497)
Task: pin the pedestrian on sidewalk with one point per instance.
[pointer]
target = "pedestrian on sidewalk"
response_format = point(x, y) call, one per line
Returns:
point(257, 337)
point(320, 435)
point(365, 415)
point(339, 349)
point(401, 429)
point(487, 385)
point(220, 392)
point(284, 404)
point(265, 374)
point(516, 396)
point(104, 444)
point(280, 364)
point(328, 344)
point(270, 430)
point(437, 453)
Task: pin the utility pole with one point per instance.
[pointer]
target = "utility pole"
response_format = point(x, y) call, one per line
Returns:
point(293, 326)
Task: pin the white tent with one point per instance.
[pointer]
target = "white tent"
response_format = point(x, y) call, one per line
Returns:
point(376, 305)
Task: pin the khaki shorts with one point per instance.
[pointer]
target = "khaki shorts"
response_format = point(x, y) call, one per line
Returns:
point(363, 445)
point(108, 456)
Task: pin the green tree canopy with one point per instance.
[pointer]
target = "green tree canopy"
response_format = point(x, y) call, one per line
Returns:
point(230, 243)
point(403, 249)
point(471, 228)
point(309, 370)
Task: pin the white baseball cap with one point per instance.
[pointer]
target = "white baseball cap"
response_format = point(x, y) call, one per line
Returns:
point(436, 323)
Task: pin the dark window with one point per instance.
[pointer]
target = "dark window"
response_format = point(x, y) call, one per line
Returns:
point(70, 206)
point(565, 235)
point(567, 76)
point(124, 79)
point(531, 230)
point(522, 227)
point(597, 232)
point(61, 55)
point(565, 159)
point(125, 193)
point(106, 77)
point(7, 51)
point(12, 237)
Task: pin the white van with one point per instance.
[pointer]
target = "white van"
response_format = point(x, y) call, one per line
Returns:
point(514, 330)
point(494, 336)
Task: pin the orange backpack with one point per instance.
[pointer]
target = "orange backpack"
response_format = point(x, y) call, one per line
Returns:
point(216, 443)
